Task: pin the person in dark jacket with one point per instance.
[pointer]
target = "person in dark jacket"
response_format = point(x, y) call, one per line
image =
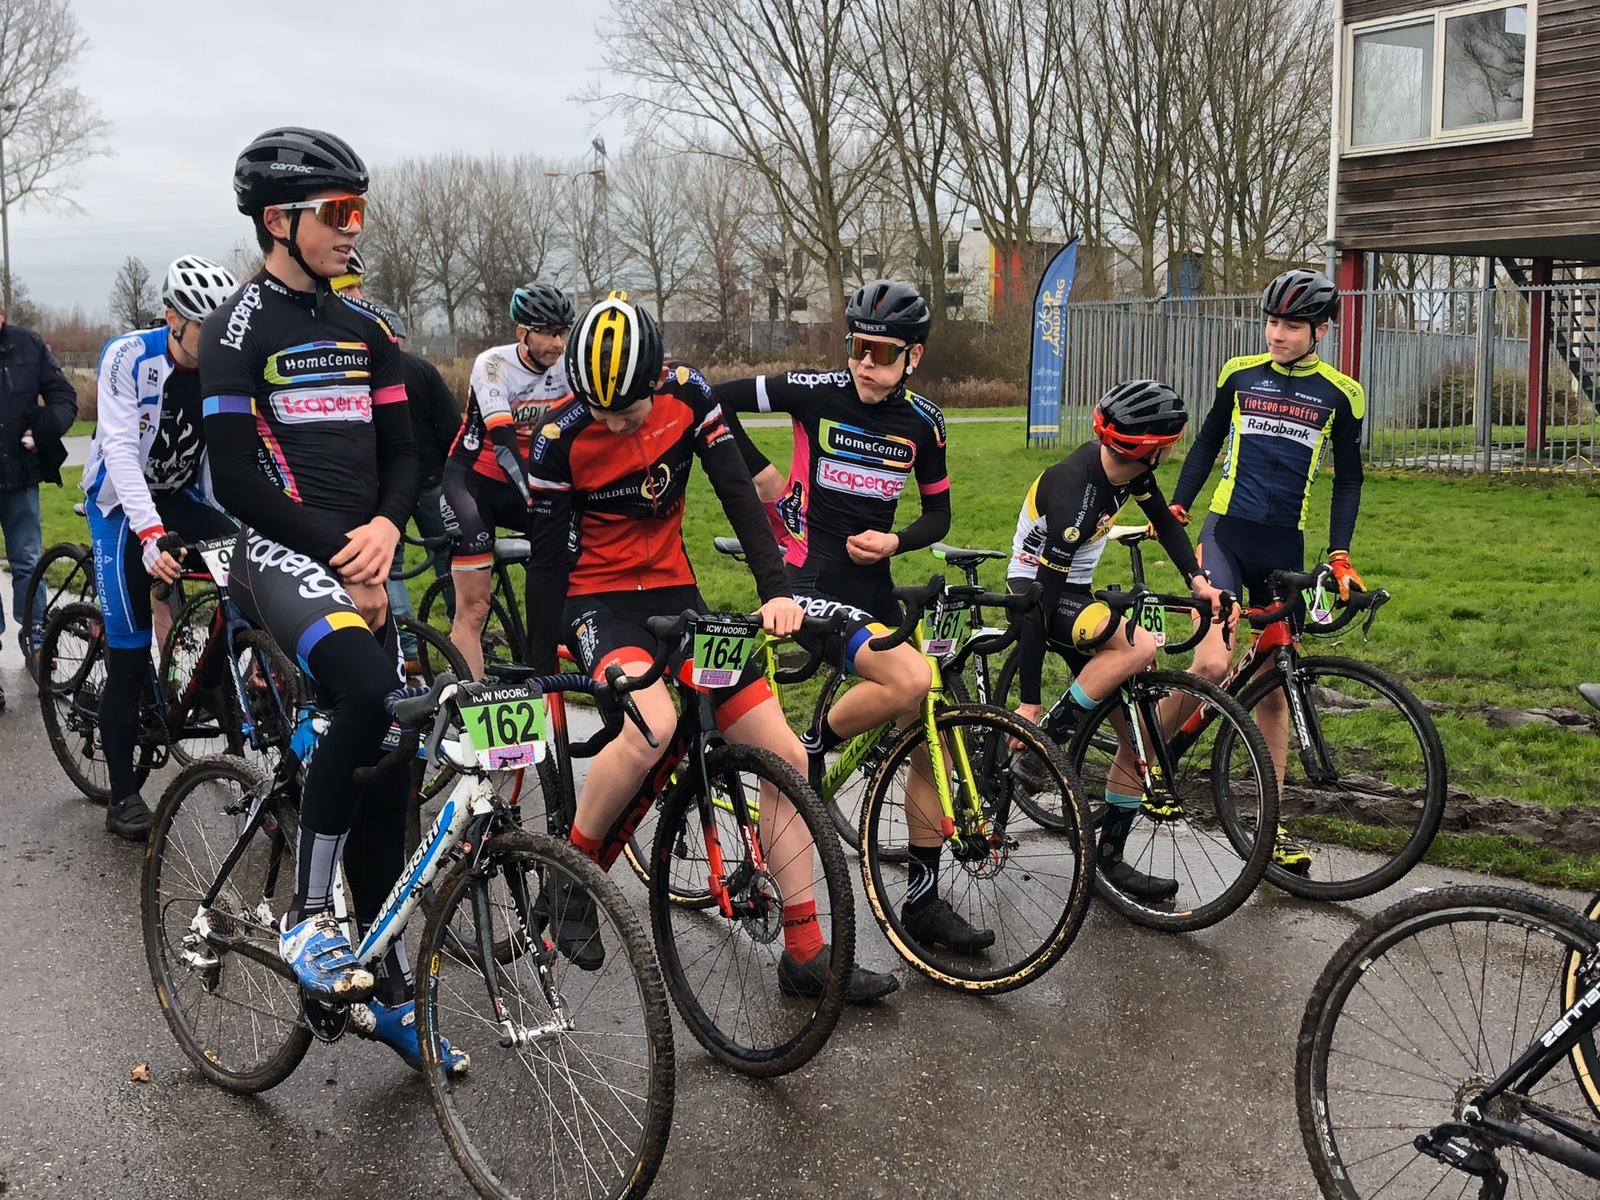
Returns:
point(37, 406)
point(435, 418)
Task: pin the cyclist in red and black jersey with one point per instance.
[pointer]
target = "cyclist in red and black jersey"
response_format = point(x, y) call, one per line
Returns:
point(860, 438)
point(310, 440)
point(612, 468)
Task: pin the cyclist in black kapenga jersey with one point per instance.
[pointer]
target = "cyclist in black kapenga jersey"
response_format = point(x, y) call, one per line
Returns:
point(860, 436)
point(310, 440)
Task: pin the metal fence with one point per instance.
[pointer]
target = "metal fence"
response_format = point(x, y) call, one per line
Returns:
point(1446, 370)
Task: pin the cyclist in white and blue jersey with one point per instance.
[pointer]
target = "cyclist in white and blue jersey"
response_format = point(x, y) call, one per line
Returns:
point(147, 476)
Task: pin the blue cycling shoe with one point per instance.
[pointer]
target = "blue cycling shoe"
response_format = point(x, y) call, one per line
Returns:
point(396, 1027)
point(323, 962)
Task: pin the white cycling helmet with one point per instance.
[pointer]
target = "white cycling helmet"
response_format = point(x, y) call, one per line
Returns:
point(196, 287)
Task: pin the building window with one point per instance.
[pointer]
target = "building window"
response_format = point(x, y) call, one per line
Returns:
point(954, 299)
point(775, 265)
point(797, 263)
point(772, 303)
point(1441, 75)
point(869, 260)
point(846, 262)
point(952, 258)
point(798, 304)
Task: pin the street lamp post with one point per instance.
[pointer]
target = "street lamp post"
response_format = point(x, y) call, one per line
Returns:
point(5, 206)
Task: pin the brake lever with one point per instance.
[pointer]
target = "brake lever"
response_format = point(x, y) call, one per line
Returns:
point(1379, 599)
point(1228, 604)
point(631, 710)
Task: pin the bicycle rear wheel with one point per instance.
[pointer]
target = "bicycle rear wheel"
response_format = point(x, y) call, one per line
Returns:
point(499, 645)
point(721, 965)
point(63, 575)
point(1368, 799)
point(1028, 886)
point(234, 1016)
point(1585, 1058)
point(570, 1091)
point(1204, 833)
point(1421, 1008)
point(72, 674)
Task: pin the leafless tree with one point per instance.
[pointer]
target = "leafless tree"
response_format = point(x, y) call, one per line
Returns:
point(1005, 110)
point(509, 222)
point(243, 259)
point(762, 79)
point(47, 126)
point(583, 223)
point(650, 221)
point(134, 304)
point(432, 193)
point(723, 206)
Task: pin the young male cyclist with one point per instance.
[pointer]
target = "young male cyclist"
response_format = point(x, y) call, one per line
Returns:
point(146, 476)
point(860, 437)
point(485, 486)
point(611, 467)
point(310, 439)
point(1061, 534)
point(1277, 414)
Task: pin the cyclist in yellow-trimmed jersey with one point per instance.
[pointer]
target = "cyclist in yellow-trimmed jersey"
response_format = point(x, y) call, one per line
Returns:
point(1274, 418)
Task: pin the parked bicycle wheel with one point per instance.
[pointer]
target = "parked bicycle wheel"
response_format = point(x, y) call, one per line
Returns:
point(499, 645)
point(72, 672)
point(1585, 1057)
point(237, 1019)
point(435, 652)
point(63, 575)
point(1368, 797)
point(1201, 831)
point(1059, 723)
point(213, 708)
point(571, 1087)
point(1027, 887)
point(1422, 1007)
point(721, 964)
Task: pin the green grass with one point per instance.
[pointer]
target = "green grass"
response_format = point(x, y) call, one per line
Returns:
point(1496, 585)
point(81, 429)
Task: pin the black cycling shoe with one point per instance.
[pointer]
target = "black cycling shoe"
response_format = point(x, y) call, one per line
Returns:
point(130, 818)
point(937, 924)
point(1135, 883)
point(576, 927)
point(810, 979)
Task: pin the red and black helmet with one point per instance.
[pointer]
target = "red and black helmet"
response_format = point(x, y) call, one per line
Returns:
point(1138, 416)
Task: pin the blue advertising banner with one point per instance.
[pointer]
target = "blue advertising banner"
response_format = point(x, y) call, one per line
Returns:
point(1047, 360)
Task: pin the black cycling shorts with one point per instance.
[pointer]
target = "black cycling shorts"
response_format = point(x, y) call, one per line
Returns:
point(473, 507)
point(1240, 554)
point(865, 595)
point(296, 599)
point(1062, 627)
point(609, 627)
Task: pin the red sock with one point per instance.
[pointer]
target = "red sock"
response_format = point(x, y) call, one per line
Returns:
point(589, 847)
point(802, 936)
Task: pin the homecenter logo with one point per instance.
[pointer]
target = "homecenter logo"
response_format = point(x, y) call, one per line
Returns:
point(863, 445)
point(302, 407)
point(859, 481)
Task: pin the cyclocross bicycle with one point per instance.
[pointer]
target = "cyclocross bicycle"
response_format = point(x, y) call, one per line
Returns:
point(570, 1089)
point(1441, 1052)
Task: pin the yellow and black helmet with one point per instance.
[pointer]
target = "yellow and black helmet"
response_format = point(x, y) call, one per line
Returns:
point(614, 355)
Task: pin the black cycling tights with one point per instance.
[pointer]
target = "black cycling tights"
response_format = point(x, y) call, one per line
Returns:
point(354, 672)
point(127, 677)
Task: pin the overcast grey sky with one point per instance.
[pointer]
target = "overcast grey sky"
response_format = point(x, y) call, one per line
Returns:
point(186, 83)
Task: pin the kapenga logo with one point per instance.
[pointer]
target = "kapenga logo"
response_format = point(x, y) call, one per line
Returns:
point(859, 481)
point(315, 583)
point(813, 379)
point(239, 319)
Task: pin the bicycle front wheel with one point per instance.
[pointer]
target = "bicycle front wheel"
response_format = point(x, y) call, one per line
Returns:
point(72, 676)
point(722, 962)
point(1422, 1007)
point(1022, 887)
point(570, 1090)
point(63, 575)
point(235, 1017)
point(1365, 798)
point(1199, 842)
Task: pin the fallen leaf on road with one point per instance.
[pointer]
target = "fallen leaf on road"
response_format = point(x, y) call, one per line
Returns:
point(140, 1074)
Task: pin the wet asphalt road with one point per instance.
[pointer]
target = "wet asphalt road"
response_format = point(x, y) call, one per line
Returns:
point(1142, 1067)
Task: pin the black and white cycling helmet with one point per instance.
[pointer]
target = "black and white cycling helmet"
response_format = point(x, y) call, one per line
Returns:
point(1301, 295)
point(196, 287)
point(542, 306)
point(889, 308)
point(614, 356)
point(287, 164)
